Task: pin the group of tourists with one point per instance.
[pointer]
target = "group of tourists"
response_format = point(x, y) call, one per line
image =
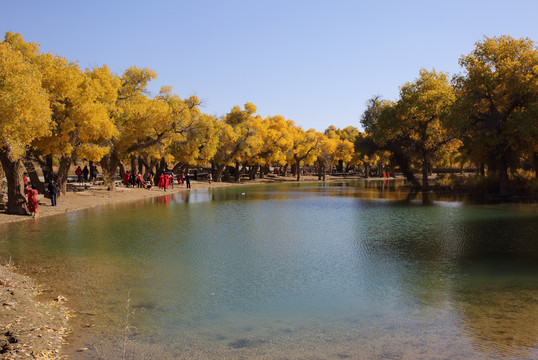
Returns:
point(85, 175)
point(31, 193)
point(133, 180)
point(166, 179)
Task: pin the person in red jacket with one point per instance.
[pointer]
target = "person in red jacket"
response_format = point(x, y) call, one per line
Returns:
point(166, 181)
point(78, 172)
point(32, 200)
point(127, 178)
point(161, 181)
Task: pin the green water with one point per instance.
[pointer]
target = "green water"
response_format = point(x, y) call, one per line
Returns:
point(290, 272)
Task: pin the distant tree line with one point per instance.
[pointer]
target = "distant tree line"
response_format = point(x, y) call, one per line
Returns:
point(485, 116)
point(53, 113)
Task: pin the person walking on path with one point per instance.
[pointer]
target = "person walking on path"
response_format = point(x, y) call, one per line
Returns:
point(53, 191)
point(32, 200)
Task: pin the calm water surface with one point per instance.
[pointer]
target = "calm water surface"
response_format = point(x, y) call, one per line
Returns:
point(290, 272)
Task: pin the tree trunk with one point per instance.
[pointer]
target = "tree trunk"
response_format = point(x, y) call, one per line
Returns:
point(503, 175)
point(253, 171)
point(239, 172)
point(219, 172)
point(48, 171)
point(34, 178)
point(140, 165)
point(16, 201)
point(63, 172)
point(122, 169)
point(294, 168)
point(153, 166)
point(297, 169)
point(177, 167)
point(425, 173)
point(109, 163)
point(402, 160)
point(134, 165)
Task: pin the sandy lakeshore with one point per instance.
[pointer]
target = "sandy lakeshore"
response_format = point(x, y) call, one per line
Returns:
point(30, 329)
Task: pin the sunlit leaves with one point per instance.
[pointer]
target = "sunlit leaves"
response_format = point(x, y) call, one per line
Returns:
point(497, 95)
point(24, 105)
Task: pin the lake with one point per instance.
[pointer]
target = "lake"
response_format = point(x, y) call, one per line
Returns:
point(303, 271)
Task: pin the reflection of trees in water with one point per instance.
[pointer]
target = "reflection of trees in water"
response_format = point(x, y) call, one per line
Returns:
point(501, 320)
point(496, 291)
point(483, 262)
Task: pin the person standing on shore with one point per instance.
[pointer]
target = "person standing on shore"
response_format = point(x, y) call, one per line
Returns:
point(166, 181)
point(85, 173)
point(127, 178)
point(132, 179)
point(32, 200)
point(53, 191)
point(171, 179)
point(139, 180)
point(160, 184)
point(188, 181)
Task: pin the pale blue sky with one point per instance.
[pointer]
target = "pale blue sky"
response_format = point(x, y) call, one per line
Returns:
point(314, 62)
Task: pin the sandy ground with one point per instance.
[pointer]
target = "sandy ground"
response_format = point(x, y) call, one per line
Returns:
point(29, 329)
point(33, 330)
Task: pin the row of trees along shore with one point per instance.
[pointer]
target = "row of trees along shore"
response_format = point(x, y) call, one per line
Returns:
point(53, 112)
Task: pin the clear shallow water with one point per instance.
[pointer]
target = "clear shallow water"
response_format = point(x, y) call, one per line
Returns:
point(291, 272)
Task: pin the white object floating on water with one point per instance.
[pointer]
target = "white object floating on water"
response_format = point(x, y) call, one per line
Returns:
point(242, 193)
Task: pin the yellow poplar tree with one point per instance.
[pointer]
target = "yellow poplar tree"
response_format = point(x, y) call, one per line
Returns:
point(277, 141)
point(81, 104)
point(304, 148)
point(24, 115)
point(131, 105)
point(496, 103)
point(241, 139)
point(422, 113)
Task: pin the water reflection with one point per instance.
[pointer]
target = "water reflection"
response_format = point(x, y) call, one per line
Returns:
point(295, 271)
